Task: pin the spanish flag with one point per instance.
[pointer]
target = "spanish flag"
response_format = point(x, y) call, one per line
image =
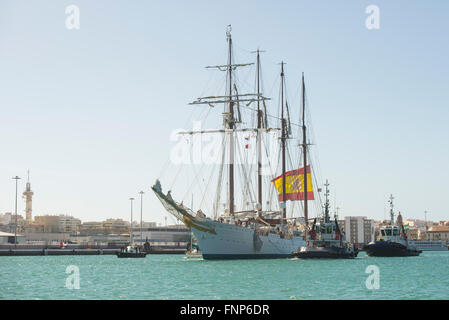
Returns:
point(294, 185)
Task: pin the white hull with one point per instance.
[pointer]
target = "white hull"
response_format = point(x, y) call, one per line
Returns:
point(236, 242)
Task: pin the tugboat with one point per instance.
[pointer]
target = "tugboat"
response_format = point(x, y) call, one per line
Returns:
point(131, 251)
point(326, 239)
point(393, 241)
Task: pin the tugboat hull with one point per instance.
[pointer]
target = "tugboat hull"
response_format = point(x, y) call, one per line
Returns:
point(390, 249)
point(325, 253)
point(131, 255)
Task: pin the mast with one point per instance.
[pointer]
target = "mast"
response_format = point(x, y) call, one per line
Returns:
point(259, 144)
point(141, 215)
point(131, 228)
point(283, 138)
point(391, 210)
point(326, 205)
point(230, 125)
point(229, 122)
point(304, 147)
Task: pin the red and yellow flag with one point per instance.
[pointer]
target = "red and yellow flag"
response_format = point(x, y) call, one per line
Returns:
point(294, 185)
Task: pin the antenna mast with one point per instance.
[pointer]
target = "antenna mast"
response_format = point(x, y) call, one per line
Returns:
point(326, 205)
point(391, 210)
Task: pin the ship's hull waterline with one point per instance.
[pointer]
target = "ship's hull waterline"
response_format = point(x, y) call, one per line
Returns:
point(237, 242)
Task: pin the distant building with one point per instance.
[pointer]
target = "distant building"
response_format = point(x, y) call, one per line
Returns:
point(115, 226)
point(418, 224)
point(6, 218)
point(55, 224)
point(8, 222)
point(438, 233)
point(359, 230)
point(69, 224)
point(91, 227)
point(412, 233)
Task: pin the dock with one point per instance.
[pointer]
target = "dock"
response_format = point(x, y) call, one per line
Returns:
point(56, 252)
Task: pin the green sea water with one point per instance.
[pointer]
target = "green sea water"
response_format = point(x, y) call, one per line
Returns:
point(175, 277)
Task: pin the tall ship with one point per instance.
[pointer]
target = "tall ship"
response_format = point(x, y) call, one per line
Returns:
point(393, 241)
point(248, 217)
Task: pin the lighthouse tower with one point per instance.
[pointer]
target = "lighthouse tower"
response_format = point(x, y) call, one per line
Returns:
point(28, 195)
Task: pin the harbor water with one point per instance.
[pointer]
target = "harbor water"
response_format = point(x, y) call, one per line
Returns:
point(175, 277)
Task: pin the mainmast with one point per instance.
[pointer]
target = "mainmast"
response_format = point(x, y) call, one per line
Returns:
point(283, 140)
point(304, 147)
point(230, 125)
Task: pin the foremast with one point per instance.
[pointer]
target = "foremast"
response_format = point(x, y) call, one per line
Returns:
point(231, 99)
point(259, 142)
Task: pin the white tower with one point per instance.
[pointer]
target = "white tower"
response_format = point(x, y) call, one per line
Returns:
point(28, 195)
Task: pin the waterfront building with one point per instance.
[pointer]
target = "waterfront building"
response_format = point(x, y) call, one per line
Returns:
point(55, 224)
point(438, 233)
point(359, 230)
point(115, 226)
point(109, 226)
point(7, 222)
point(412, 233)
point(6, 218)
point(91, 227)
point(69, 224)
point(46, 238)
point(48, 223)
point(169, 235)
point(8, 238)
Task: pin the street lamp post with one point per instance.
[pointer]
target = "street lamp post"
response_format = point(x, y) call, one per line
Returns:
point(15, 227)
point(141, 206)
point(131, 227)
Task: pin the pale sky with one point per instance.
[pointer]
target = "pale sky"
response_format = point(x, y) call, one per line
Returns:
point(90, 112)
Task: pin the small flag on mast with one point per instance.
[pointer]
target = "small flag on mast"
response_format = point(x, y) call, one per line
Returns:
point(294, 185)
